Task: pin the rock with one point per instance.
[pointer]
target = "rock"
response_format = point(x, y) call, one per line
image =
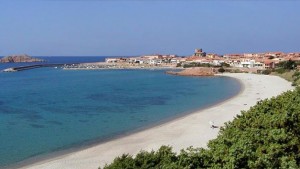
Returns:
point(199, 71)
point(19, 58)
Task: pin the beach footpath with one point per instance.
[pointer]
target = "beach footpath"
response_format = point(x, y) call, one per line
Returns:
point(191, 130)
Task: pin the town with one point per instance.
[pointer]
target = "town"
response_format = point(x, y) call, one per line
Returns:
point(248, 61)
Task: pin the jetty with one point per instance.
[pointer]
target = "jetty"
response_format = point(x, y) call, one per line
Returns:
point(21, 68)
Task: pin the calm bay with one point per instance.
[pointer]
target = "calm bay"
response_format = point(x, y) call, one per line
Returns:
point(47, 109)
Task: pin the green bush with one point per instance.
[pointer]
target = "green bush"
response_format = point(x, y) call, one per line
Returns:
point(280, 70)
point(288, 65)
point(225, 64)
point(267, 72)
point(296, 78)
point(194, 64)
point(179, 65)
point(237, 71)
point(221, 70)
point(266, 136)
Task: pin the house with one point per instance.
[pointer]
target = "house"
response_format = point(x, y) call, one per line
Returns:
point(175, 60)
point(111, 60)
point(199, 53)
point(269, 64)
point(274, 54)
point(154, 61)
point(140, 60)
point(216, 62)
point(234, 62)
point(156, 56)
point(212, 55)
point(249, 63)
point(233, 56)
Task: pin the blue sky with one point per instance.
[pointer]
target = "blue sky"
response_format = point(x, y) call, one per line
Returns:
point(135, 27)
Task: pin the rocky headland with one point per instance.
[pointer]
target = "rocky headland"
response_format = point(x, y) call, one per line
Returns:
point(19, 58)
point(196, 71)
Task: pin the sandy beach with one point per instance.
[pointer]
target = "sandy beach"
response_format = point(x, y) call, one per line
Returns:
point(190, 130)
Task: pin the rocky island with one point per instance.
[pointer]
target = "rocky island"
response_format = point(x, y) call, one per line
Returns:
point(19, 58)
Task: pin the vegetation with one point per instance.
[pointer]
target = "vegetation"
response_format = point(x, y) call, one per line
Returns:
point(296, 78)
point(271, 57)
point(194, 64)
point(235, 71)
point(286, 75)
point(281, 70)
point(286, 70)
point(266, 136)
point(179, 65)
point(292, 76)
point(267, 71)
point(287, 65)
point(221, 70)
point(225, 64)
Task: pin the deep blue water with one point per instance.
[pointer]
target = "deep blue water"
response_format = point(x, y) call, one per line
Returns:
point(44, 110)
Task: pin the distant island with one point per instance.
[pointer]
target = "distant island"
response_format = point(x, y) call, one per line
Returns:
point(19, 58)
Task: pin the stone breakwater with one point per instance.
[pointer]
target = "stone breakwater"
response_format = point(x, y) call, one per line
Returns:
point(199, 71)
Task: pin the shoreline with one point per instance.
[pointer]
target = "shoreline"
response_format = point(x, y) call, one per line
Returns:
point(190, 129)
point(60, 152)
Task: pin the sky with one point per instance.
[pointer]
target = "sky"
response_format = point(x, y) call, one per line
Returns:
point(140, 27)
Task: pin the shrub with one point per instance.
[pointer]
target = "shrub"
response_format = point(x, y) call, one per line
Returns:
point(280, 70)
point(194, 64)
point(288, 65)
point(221, 70)
point(225, 64)
point(267, 72)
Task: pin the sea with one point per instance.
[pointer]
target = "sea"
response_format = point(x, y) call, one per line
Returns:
point(47, 110)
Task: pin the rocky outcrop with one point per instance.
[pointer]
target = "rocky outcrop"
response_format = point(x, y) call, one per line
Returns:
point(199, 71)
point(19, 58)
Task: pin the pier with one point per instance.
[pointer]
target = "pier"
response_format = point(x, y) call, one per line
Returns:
point(21, 68)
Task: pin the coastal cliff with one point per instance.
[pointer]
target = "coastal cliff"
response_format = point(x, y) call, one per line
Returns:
point(19, 58)
point(199, 71)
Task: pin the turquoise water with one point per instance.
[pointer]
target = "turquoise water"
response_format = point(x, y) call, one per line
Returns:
point(47, 109)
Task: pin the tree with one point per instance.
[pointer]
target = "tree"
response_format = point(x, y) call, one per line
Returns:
point(289, 65)
point(221, 70)
point(223, 64)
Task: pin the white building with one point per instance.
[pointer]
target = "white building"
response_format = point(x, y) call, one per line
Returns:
point(111, 60)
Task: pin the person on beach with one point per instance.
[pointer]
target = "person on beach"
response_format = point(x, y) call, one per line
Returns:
point(212, 124)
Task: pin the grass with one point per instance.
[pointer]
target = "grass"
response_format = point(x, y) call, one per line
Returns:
point(286, 75)
point(291, 76)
